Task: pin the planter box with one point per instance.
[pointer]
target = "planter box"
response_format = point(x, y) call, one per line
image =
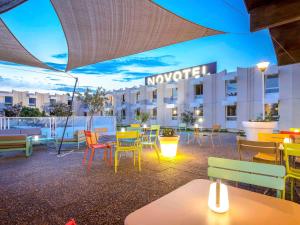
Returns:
point(168, 146)
point(253, 128)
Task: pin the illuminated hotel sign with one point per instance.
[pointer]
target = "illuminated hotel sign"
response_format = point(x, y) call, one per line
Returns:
point(175, 76)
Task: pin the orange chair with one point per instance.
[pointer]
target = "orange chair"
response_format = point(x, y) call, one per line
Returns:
point(92, 144)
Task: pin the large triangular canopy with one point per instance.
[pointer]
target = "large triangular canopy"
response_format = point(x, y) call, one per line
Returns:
point(11, 49)
point(99, 30)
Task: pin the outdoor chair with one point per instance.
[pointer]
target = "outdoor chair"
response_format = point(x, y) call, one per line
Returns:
point(138, 129)
point(259, 174)
point(265, 152)
point(92, 144)
point(196, 136)
point(150, 138)
point(215, 132)
point(291, 151)
point(128, 141)
point(182, 127)
point(136, 125)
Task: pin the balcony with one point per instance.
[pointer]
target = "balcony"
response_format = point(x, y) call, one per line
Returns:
point(230, 100)
point(170, 102)
point(149, 104)
point(198, 100)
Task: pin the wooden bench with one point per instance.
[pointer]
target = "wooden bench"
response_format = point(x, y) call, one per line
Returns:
point(260, 174)
point(10, 143)
point(78, 139)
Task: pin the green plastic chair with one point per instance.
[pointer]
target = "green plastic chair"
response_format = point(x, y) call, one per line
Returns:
point(150, 138)
point(260, 174)
point(292, 173)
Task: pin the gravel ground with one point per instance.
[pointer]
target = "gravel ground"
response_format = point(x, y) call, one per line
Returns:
point(46, 189)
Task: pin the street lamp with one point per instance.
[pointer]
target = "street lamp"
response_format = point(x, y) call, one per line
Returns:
point(262, 66)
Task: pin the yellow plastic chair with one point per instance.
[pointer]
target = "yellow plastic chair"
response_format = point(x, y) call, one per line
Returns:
point(275, 138)
point(295, 129)
point(150, 138)
point(292, 173)
point(128, 141)
point(135, 125)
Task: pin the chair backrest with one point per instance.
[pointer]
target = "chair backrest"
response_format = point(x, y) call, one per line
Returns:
point(260, 174)
point(138, 129)
point(182, 125)
point(127, 135)
point(290, 150)
point(257, 147)
point(295, 129)
point(216, 128)
point(80, 135)
point(135, 125)
point(91, 138)
point(278, 138)
point(155, 127)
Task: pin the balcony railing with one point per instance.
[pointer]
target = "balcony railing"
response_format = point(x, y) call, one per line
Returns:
point(170, 100)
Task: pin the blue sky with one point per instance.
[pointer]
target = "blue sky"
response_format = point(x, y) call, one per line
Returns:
point(37, 27)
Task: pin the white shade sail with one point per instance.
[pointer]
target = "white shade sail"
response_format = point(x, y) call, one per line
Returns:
point(11, 49)
point(99, 30)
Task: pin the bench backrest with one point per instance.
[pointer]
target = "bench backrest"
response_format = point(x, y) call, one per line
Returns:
point(278, 138)
point(260, 174)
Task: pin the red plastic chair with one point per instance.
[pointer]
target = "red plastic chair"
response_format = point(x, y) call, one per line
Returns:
point(71, 222)
point(92, 144)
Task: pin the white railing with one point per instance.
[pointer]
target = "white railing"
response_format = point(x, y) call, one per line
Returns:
point(53, 126)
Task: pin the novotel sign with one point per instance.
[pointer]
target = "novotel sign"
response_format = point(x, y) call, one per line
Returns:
point(175, 76)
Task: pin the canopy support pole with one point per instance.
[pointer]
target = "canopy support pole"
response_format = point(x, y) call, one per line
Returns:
point(70, 111)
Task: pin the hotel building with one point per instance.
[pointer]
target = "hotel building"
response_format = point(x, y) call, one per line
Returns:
point(225, 98)
point(42, 101)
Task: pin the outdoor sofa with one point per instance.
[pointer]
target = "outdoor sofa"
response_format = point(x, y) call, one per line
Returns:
point(78, 138)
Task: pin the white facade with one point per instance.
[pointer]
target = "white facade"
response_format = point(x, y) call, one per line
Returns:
point(222, 98)
point(42, 101)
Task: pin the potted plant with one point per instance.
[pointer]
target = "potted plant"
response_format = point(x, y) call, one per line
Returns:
point(259, 125)
point(168, 142)
point(142, 118)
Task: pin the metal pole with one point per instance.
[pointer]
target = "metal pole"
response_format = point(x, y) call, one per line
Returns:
point(70, 110)
point(263, 95)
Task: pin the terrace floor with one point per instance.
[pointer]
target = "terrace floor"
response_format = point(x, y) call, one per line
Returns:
point(46, 189)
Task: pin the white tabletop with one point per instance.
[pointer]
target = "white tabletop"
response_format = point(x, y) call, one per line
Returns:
point(187, 205)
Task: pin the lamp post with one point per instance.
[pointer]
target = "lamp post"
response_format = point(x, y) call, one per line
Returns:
point(262, 66)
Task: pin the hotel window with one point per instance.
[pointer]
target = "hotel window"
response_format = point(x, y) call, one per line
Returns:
point(154, 114)
point(154, 95)
point(231, 87)
point(137, 97)
point(272, 110)
point(137, 112)
point(8, 100)
point(174, 92)
point(174, 114)
point(272, 83)
point(52, 101)
point(198, 88)
point(32, 101)
point(123, 99)
point(198, 111)
point(230, 112)
point(123, 114)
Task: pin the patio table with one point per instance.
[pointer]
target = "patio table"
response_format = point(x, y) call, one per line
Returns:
point(188, 205)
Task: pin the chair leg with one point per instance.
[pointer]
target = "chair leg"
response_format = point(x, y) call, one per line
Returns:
point(283, 192)
point(110, 156)
point(133, 152)
point(116, 161)
point(91, 158)
point(139, 152)
point(292, 189)
point(212, 141)
point(157, 151)
point(85, 155)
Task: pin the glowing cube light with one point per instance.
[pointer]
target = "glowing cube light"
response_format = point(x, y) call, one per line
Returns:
point(218, 197)
point(122, 129)
point(36, 137)
point(168, 146)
